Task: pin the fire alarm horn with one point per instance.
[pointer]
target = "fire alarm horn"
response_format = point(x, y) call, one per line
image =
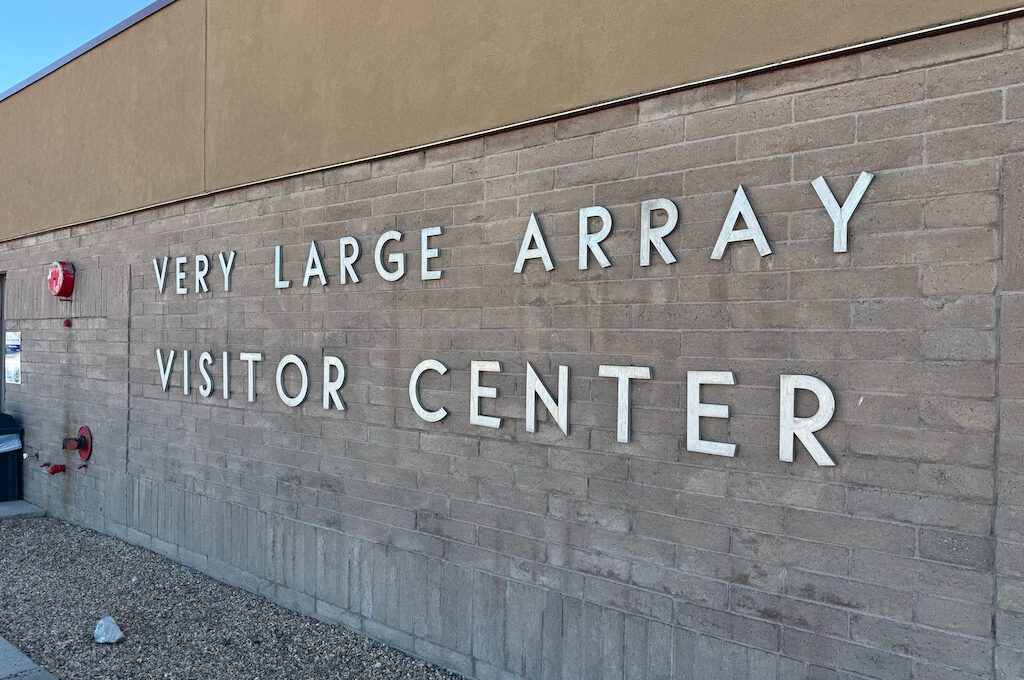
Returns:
point(61, 279)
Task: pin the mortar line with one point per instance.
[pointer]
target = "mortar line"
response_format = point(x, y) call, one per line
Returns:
point(128, 404)
point(994, 514)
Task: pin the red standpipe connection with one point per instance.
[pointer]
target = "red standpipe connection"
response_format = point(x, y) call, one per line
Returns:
point(82, 443)
point(55, 469)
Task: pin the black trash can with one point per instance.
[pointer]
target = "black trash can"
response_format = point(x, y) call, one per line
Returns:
point(10, 458)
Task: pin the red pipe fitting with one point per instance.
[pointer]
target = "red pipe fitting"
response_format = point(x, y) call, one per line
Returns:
point(82, 443)
point(55, 469)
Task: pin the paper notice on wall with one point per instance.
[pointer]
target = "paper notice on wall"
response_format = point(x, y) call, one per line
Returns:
point(12, 358)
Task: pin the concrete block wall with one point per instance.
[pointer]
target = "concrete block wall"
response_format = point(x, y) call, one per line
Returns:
point(507, 554)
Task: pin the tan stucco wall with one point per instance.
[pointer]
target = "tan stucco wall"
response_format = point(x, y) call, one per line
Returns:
point(288, 86)
point(118, 128)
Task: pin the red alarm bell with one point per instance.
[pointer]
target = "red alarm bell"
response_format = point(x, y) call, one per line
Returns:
point(61, 279)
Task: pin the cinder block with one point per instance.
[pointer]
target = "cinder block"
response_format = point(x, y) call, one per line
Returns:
point(489, 617)
point(945, 546)
point(953, 46)
point(688, 101)
point(792, 612)
point(859, 95)
point(928, 116)
point(739, 118)
point(921, 576)
point(974, 74)
point(953, 616)
point(840, 654)
point(748, 631)
point(969, 654)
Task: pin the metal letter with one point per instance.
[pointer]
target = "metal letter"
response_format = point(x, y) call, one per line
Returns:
point(841, 214)
point(314, 267)
point(695, 410)
point(185, 378)
point(226, 266)
point(165, 369)
point(396, 259)
point(535, 388)
point(179, 275)
point(205, 359)
point(291, 359)
point(740, 206)
point(333, 385)
point(476, 392)
point(161, 273)
point(624, 375)
point(348, 260)
point(427, 253)
point(414, 398)
point(251, 358)
point(226, 384)
point(278, 281)
point(655, 235)
point(804, 428)
point(202, 269)
point(589, 242)
point(533, 247)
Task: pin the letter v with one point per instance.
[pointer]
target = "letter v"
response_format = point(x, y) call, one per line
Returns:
point(165, 370)
point(161, 273)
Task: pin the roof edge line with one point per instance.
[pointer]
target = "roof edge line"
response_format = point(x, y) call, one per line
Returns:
point(106, 35)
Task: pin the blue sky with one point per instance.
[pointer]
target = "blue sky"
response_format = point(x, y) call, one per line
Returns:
point(36, 33)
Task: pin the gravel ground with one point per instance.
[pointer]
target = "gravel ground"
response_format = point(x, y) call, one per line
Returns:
point(57, 580)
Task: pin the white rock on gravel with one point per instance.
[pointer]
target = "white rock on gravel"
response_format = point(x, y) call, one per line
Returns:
point(107, 631)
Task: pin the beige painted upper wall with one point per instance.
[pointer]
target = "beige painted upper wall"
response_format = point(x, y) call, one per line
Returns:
point(296, 84)
point(118, 128)
point(290, 85)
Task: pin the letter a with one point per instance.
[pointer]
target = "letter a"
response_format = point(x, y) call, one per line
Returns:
point(533, 247)
point(729, 233)
point(314, 266)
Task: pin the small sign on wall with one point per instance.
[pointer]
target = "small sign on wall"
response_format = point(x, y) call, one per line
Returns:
point(12, 358)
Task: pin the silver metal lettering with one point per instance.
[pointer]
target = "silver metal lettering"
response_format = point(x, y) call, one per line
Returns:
point(286, 361)
point(804, 428)
point(397, 259)
point(279, 280)
point(348, 248)
point(414, 397)
point(314, 266)
point(533, 247)
point(251, 358)
point(590, 242)
point(729, 234)
point(624, 374)
point(478, 392)
point(333, 385)
point(165, 369)
point(841, 214)
point(656, 235)
point(161, 273)
point(427, 254)
point(535, 390)
point(205, 359)
point(202, 269)
point(696, 409)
